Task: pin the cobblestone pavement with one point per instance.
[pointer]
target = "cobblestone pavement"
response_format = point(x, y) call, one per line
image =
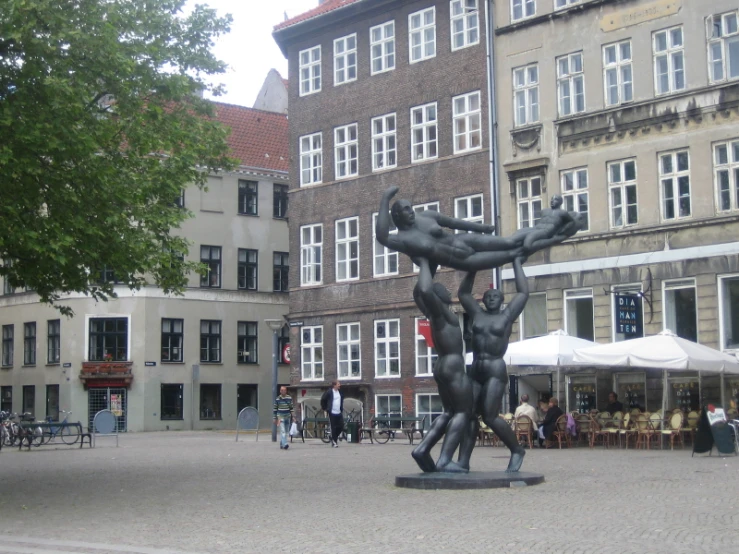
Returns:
point(185, 492)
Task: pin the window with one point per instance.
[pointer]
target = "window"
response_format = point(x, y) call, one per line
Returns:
point(7, 287)
point(423, 132)
point(726, 174)
point(247, 277)
point(29, 343)
point(210, 256)
point(529, 201)
point(247, 395)
point(385, 260)
point(629, 291)
point(382, 47)
point(279, 201)
point(526, 94)
point(617, 76)
point(280, 271)
point(179, 202)
point(108, 339)
point(575, 192)
point(171, 398)
point(283, 344)
point(430, 407)
point(426, 356)
point(383, 142)
point(389, 405)
point(674, 174)
point(347, 249)
point(579, 313)
point(422, 31)
point(53, 341)
point(311, 155)
point(210, 341)
point(172, 339)
point(467, 132)
point(311, 246)
point(534, 316)
point(387, 348)
point(669, 60)
point(345, 150)
point(6, 399)
point(570, 84)
point(348, 351)
point(210, 401)
point(311, 348)
point(723, 46)
point(522, 8)
point(558, 4)
point(465, 23)
point(8, 345)
point(247, 342)
point(622, 193)
point(29, 398)
point(310, 70)
point(248, 194)
point(345, 59)
point(469, 208)
point(729, 311)
point(680, 308)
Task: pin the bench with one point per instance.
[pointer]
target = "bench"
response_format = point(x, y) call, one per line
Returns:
point(383, 428)
point(28, 437)
point(319, 424)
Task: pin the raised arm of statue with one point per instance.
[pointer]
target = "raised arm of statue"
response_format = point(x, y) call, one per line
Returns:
point(518, 302)
point(383, 225)
point(468, 301)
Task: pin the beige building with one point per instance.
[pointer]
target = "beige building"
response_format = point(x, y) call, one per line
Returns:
point(168, 362)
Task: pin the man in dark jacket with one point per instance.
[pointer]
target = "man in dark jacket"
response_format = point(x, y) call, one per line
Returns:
point(549, 424)
point(333, 404)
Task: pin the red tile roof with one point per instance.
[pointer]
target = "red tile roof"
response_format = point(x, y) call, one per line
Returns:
point(327, 6)
point(258, 139)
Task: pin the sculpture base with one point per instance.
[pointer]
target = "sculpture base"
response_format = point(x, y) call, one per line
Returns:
point(466, 481)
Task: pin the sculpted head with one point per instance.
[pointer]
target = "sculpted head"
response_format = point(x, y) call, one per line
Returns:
point(492, 300)
point(556, 201)
point(402, 214)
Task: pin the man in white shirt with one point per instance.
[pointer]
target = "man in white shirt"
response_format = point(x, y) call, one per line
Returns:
point(333, 404)
point(526, 409)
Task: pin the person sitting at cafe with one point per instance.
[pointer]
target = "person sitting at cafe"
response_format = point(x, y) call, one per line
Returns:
point(526, 409)
point(549, 425)
point(613, 404)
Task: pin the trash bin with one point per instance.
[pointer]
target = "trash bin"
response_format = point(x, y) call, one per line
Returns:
point(352, 431)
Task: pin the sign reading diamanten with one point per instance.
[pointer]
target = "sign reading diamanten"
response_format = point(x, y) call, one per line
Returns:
point(628, 315)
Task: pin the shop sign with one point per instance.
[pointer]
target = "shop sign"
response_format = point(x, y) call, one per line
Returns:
point(628, 315)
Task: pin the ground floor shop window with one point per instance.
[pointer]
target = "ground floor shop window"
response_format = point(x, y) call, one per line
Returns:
point(210, 401)
point(6, 399)
point(429, 406)
point(729, 309)
point(389, 405)
point(247, 395)
point(680, 312)
point(52, 402)
point(29, 398)
point(579, 313)
point(172, 401)
point(534, 317)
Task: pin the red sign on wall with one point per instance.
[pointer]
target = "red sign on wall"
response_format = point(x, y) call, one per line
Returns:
point(424, 329)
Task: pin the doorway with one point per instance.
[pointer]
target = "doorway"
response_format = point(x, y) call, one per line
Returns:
point(108, 398)
point(538, 386)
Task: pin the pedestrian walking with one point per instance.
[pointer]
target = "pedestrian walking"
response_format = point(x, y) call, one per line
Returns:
point(333, 404)
point(283, 414)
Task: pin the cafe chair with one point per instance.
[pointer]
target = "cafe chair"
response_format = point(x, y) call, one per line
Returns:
point(673, 431)
point(690, 425)
point(525, 430)
point(626, 431)
point(561, 433)
point(644, 431)
point(584, 429)
point(486, 434)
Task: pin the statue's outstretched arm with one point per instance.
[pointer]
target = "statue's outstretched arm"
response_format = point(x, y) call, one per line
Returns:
point(461, 224)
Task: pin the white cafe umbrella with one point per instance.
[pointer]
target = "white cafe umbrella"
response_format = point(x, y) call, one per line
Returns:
point(555, 349)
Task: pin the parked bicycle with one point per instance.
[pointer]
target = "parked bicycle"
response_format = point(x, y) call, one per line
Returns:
point(69, 433)
point(26, 432)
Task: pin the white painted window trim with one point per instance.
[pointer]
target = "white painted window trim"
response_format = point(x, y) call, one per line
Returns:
point(313, 65)
point(346, 151)
point(313, 346)
point(383, 44)
point(387, 341)
point(348, 240)
point(307, 257)
point(348, 343)
point(471, 120)
point(420, 31)
point(384, 136)
point(385, 254)
point(470, 18)
point(345, 52)
point(313, 155)
point(529, 88)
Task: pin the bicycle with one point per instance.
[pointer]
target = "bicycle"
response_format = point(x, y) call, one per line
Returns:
point(63, 428)
point(33, 435)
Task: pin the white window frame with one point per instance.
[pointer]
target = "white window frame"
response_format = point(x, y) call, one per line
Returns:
point(574, 184)
point(671, 53)
point(522, 327)
point(574, 295)
point(388, 397)
point(619, 65)
point(467, 122)
point(425, 355)
point(347, 262)
point(726, 174)
point(464, 22)
point(526, 94)
point(529, 200)
point(417, 29)
point(311, 159)
point(315, 348)
point(562, 4)
point(344, 356)
point(527, 9)
point(567, 79)
point(424, 133)
point(677, 284)
point(722, 29)
point(311, 255)
point(346, 155)
point(384, 142)
point(386, 341)
point(309, 70)
point(345, 59)
point(465, 207)
point(382, 49)
point(724, 314)
point(430, 414)
point(381, 252)
point(625, 288)
point(671, 185)
point(622, 185)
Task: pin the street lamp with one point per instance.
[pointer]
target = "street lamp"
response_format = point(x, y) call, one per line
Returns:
point(275, 325)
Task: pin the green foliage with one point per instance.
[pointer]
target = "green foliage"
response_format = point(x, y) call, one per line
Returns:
point(103, 123)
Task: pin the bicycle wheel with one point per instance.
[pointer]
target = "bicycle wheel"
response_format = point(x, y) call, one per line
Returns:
point(382, 435)
point(69, 435)
point(46, 435)
point(324, 432)
point(36, 436)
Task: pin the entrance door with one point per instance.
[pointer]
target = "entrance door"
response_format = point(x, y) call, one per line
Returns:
point(246, 395)
point(107, 398)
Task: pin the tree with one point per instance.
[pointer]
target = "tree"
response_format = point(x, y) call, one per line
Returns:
point(103, 124)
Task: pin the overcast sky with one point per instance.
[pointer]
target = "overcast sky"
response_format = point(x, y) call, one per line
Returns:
point(249, 49)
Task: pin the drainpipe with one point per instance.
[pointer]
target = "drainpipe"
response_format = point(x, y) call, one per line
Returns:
point(492, 128)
